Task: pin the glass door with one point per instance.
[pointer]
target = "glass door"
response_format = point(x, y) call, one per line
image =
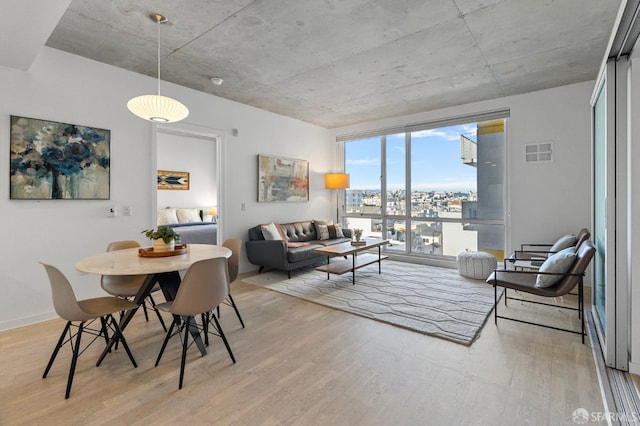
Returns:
point(599, 208)
point(610, 289)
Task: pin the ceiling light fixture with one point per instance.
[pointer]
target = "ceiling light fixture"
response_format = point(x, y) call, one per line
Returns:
point(157, 108)
point(216, 80)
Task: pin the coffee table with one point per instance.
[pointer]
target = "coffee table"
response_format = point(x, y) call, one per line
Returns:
point(358, 258)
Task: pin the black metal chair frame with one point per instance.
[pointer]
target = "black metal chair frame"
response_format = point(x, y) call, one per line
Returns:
point(189, 325)
point(153, 308)
point(107, 322)
point(580, 295)
point(232, 303)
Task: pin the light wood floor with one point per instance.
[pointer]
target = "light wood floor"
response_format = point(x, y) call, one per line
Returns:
point(304, 364)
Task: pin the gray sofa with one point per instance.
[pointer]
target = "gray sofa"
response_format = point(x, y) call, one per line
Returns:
point(295, 253)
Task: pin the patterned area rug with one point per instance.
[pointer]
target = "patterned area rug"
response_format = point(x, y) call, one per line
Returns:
point(429, 300)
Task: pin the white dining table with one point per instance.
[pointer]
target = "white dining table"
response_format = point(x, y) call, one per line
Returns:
point(129, 262)
point(163, 270)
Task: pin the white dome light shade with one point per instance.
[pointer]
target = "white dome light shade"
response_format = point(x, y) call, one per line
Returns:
point(159, 109)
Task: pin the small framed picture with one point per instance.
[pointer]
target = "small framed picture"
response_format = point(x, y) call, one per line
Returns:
point(173, 180)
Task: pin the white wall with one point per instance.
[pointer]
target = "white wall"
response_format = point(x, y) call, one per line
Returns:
point(188, 154)
point(68, 88)
point(544, 200)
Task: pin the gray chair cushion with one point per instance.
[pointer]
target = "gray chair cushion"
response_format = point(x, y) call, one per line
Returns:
point(564, 242)
point(559, 263)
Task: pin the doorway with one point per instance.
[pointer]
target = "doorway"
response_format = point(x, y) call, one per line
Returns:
point(196, 154)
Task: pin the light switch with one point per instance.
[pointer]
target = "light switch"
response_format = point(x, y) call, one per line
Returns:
point(112, 211)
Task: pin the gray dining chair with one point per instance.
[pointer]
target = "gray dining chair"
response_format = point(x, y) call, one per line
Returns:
point(83, 312)
point(204, 287)
point(127, 286)
point(235, 245)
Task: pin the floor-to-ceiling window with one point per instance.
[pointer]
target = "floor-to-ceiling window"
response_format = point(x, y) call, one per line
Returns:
point(610, 273)
point(432, 190)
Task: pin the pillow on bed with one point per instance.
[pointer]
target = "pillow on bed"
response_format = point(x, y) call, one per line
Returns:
point(167, 217)
point(188, 215)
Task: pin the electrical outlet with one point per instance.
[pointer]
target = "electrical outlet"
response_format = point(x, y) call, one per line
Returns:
point(126, 210)
point(243, 207)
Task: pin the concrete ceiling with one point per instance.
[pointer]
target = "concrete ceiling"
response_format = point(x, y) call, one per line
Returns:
point(339, 62)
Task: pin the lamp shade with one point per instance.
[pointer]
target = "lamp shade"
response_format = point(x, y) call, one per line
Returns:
point(213, 210)
point(160, 109)
point(336, 180)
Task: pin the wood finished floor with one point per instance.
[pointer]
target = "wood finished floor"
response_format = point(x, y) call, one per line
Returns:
point(305, 364)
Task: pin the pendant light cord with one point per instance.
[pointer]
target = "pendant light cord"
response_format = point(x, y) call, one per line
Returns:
point(158, 18)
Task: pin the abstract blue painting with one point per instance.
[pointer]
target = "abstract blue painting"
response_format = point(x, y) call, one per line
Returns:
point(58, 161)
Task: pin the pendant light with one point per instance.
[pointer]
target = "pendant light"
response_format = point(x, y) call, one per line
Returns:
point(157, 108)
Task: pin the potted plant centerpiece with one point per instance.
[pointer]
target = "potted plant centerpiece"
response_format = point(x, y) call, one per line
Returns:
point(358, 234)
point(164, 238)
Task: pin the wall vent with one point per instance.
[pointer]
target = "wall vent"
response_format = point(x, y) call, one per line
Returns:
point(538, 152)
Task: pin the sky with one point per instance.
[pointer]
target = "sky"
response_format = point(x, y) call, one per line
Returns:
point(435, 161)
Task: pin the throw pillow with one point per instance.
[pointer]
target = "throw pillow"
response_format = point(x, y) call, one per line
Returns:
point(558, 263)
point(270, 232)
point(283, 232)
point(335, 231)
point(323, 232)
point(167, 217)
point(564, 242)
point(318, 222)
point(188, 215)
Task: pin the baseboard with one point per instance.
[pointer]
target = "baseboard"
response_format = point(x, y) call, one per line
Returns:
point(634, 368)
point(31, 319)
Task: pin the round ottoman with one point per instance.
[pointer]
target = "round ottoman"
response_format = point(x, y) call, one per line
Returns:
point(475, 264)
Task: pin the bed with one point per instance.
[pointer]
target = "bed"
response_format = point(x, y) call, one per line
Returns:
point(189, 224)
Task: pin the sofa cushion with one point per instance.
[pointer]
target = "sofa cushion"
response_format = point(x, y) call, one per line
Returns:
point(300, 231)
point(290, 244)
point(297, 254)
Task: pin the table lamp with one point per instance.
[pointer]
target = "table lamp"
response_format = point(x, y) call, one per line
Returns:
point(213, 211)
point(336, 181)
